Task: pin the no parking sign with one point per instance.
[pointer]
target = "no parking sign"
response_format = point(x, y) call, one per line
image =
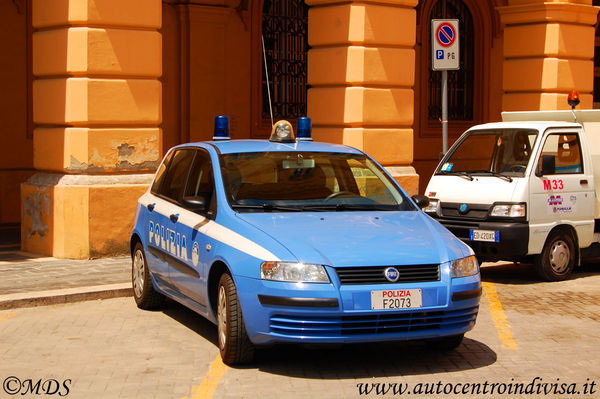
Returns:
point(444, 44)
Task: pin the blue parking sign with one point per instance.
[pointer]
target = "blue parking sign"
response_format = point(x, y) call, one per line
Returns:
point(439, 54)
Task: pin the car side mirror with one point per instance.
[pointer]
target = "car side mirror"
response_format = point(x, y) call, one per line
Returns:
point(548, 165)
point(195, 204)
point(421, 200)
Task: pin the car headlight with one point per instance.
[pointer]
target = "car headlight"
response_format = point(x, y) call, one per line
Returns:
point(293, 272)
point(509, 210)
point(464, 267)
point(433, 206)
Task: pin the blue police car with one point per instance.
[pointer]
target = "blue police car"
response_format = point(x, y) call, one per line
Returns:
point(290, 240)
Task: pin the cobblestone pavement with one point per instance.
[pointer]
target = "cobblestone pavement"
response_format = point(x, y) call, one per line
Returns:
point(23, 272)
point(111, 349)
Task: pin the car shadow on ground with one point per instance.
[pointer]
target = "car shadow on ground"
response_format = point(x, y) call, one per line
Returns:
point(524, 273)
point(347, 361)
point(191, 320)
point(372, 360)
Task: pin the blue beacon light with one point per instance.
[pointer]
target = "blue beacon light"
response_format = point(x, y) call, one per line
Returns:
point(304, 129)
point(221, 131)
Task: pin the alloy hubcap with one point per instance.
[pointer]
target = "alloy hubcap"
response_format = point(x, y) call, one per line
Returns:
point(138, 273)
point(560, 256)
point(222, 317)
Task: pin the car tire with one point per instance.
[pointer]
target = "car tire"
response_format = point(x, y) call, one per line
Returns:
point(446, 343)
point(234, 344)
point(557, 260)
point(146, 297)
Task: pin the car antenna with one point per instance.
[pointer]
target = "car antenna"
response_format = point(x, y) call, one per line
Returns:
point(267, 77)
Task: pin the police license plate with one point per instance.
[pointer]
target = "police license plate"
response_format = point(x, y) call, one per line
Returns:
point(396, 299)
point(485, 235)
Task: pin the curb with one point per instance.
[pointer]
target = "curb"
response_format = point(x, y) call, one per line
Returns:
point(67, 295)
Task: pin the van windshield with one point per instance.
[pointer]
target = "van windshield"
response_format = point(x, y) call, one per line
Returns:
point(503, 153)
point(308, 181)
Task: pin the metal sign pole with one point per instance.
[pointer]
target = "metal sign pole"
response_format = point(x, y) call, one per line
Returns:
point(444, 55)
point(445, 111)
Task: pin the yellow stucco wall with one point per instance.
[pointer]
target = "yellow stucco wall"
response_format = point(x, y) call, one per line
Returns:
point(361, 71)
point(117, 83)
point(97, 106)
point(16, 150)
point(556, 57)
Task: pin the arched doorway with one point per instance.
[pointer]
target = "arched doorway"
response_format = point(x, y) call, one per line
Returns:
point(469, 88)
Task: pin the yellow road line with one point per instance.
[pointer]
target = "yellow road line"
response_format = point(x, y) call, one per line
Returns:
point(211, 381)
point(499, 318)
point(7, 316)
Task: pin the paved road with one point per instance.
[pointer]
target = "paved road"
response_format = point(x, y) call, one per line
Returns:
point(111, 349)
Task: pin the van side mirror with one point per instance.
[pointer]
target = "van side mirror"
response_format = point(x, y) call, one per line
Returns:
point(421, 200)
point(195, 204)
point(548, 165)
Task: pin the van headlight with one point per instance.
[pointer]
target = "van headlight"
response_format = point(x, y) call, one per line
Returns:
point(464, 267)
point(509, 211)
point(293, 272)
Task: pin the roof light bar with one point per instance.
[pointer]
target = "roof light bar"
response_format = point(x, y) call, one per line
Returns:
point(304, 129)
point(221, 131)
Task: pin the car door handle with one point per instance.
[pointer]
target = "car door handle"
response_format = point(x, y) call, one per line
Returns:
point(150, 207)
point(583, 182)
point(174, 217)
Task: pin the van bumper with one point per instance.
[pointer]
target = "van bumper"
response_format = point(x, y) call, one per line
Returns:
point(513, 238)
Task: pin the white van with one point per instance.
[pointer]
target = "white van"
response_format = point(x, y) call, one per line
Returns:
point(524, 189)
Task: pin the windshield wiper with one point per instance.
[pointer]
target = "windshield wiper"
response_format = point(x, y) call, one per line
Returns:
point(495, 174)
point(349, 207)
point(267, 207)
point(462, 173)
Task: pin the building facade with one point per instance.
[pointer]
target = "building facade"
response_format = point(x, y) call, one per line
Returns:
point(96, 91)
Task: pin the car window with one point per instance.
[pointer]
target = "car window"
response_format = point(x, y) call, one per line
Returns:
point(177, 173)
point(502, 151)
point(200, 182)
point(566, 151)
point(160, 175)
point(307, 180)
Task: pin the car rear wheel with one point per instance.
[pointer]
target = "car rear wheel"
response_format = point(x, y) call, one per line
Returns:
point(234, 344)
point(144, 293)
point(557, 259)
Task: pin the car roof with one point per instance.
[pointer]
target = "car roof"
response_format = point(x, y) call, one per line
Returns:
point(241, 146)
point(536, 125)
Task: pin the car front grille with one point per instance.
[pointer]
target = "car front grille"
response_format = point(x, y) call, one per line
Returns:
point(375, 275)
point(382, 323)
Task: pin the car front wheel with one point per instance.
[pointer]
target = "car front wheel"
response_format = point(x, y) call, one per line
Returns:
point(234, 344)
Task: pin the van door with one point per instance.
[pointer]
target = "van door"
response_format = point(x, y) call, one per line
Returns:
point(564, 195)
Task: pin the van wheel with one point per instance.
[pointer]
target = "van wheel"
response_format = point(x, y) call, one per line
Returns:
point(144, 293)
point(557, 259)
point(234, 344)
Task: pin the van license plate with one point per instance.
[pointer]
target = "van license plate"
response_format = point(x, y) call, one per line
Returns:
point(396, 299)
point(485, 235)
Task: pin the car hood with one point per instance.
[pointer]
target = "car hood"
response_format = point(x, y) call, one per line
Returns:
point(481, 190)
point(360, 238)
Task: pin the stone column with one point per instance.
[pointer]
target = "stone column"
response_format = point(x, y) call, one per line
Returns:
point(548, 51)
point(97, 111)
point(361, 69)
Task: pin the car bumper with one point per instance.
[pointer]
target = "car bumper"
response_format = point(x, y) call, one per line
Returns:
point(513, 238)
point(330, 313)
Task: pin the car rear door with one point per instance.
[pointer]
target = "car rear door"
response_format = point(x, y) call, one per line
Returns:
point(164, 242)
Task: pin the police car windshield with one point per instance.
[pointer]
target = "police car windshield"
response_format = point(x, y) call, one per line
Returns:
point(502, 153)
point(308, 181)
